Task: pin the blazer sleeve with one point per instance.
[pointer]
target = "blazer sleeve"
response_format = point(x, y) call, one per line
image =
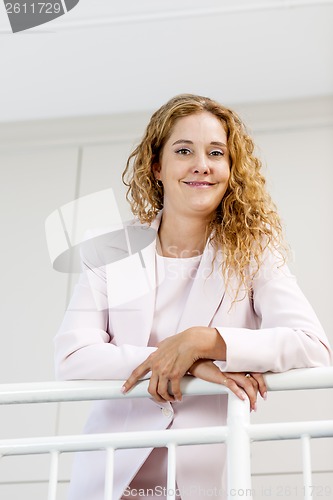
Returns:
point(84, 347)
point(289, 333)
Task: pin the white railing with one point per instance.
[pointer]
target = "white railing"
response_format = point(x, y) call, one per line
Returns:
point(237, 434)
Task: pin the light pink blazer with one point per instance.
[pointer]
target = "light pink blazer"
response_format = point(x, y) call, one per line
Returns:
point(105, 332)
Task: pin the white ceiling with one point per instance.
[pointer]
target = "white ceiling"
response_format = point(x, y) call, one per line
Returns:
point(107, 57)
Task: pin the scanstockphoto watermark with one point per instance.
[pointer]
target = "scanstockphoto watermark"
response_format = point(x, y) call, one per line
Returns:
point(89, 234)
point(195, 492)
point(280, 491)
point(24, 15)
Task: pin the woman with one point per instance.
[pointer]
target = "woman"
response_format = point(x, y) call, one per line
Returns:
point(221, 303)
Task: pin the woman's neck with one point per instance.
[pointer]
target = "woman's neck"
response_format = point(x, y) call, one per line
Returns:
point(182, 237)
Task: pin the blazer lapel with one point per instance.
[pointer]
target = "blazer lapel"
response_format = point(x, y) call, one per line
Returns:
point(132, 290)
point(207, 292)
point(132, 293)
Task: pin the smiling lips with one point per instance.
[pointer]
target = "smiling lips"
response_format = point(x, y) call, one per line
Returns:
point(199, 184)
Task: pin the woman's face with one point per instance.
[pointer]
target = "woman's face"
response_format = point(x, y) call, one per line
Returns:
point(194, 166)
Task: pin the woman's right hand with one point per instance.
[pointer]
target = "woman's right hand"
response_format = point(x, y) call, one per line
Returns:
point(240, 383)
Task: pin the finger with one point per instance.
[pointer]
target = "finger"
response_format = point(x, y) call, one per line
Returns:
point(154, 389)
point(234, 387)
point(250, 386)
point(135, 376)
point(175, 389)
point(261, 384)
point(163, 389)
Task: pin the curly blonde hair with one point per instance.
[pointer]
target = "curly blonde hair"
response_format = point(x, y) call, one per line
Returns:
point(246, 221)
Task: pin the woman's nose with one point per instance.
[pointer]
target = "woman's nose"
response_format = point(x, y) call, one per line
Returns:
point(201, 166)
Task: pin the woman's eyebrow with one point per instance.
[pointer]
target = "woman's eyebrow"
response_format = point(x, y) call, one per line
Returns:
point(182, 141)
point(217, 143)
point(186, 141)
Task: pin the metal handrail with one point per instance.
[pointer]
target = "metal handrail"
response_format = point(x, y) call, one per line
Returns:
point(238, 433)
point(81, 390)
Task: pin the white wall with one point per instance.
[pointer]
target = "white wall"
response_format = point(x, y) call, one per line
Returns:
point(46, 164)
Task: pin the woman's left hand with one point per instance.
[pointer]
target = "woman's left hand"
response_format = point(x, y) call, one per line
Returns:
point(168, 364)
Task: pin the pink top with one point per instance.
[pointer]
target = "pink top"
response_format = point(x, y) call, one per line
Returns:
point(174, 278)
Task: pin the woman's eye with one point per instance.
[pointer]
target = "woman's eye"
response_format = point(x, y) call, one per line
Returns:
point(183, 151)
point(217, 152)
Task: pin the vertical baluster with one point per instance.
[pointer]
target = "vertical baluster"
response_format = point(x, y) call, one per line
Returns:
point(307, 472)
point(53, 479)
point(171, 481)
point(238, 448)
point(109, 474)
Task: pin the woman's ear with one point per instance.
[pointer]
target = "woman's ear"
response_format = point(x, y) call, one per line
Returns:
point(156, 171)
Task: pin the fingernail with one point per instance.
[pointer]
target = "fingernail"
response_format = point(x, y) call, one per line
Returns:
point(255, 406)
point(123, 389)
point(265, 396)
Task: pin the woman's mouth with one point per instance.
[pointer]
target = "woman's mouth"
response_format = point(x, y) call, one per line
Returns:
point(199, 184)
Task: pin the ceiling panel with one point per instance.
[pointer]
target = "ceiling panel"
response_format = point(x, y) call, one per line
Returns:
point(108, 57)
